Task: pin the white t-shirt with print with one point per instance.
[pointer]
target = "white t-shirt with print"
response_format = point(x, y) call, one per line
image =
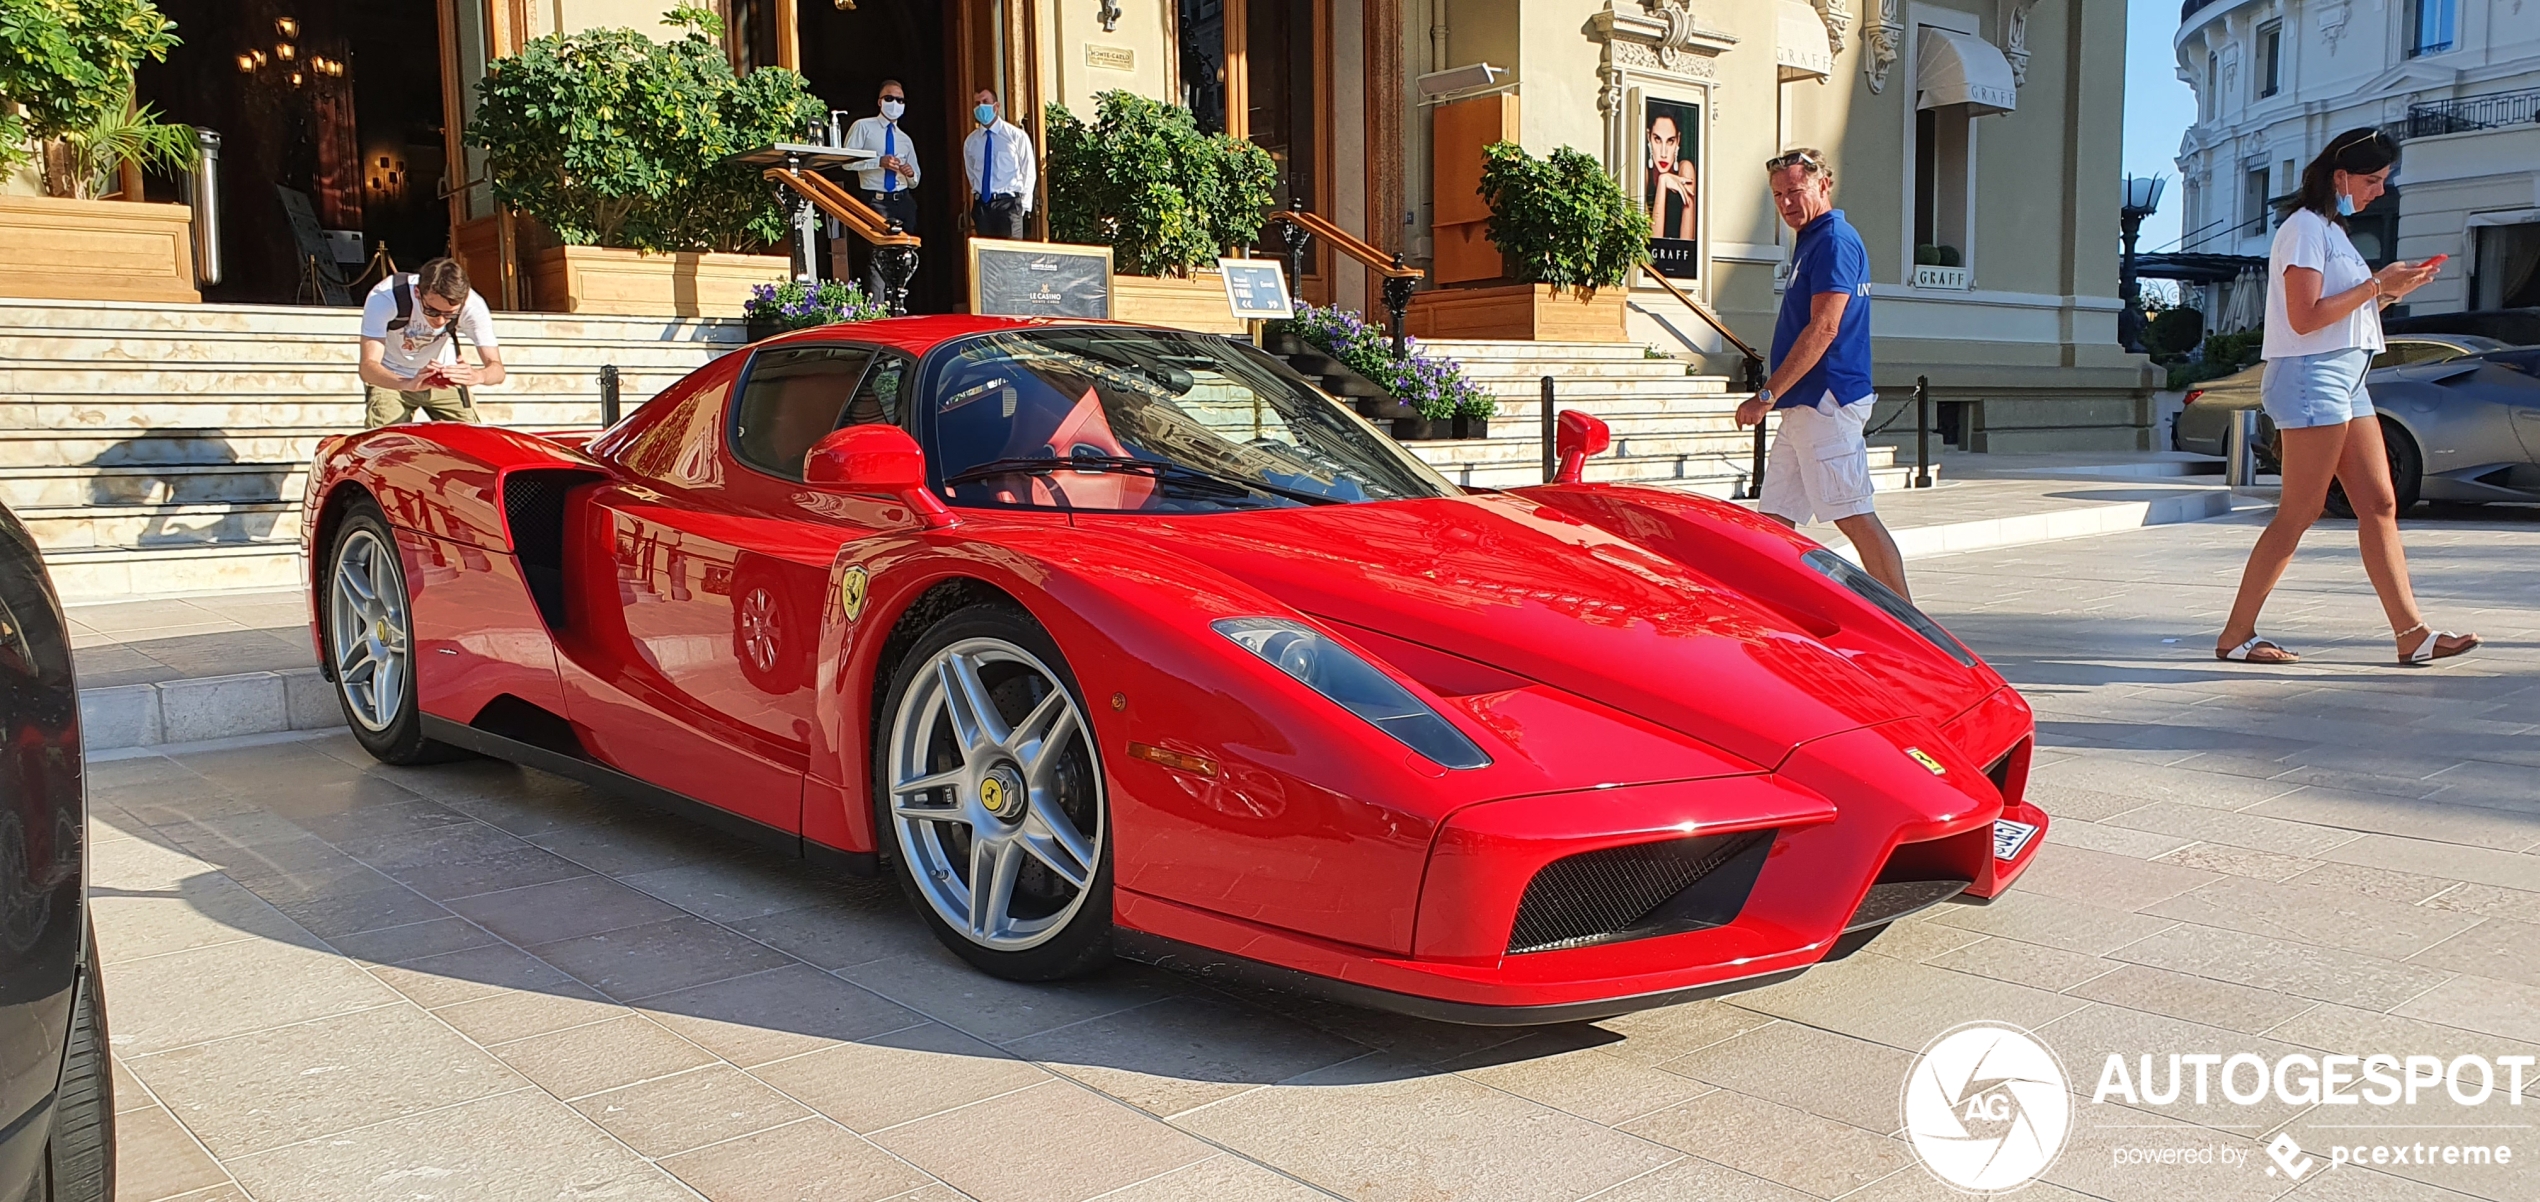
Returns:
point(2307, 239)
point(404, 352)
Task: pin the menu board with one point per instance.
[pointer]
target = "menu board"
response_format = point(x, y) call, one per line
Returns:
point(1256, 288)
point(1039, 279)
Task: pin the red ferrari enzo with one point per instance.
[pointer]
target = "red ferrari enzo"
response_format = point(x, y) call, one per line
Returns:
point(1112, 639)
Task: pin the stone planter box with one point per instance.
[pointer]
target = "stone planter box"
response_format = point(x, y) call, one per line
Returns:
point(1197, 303)
point(53, 248)
point(629, 283)
point(1520, 312)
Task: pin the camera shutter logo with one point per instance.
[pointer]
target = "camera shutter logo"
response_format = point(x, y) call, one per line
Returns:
point(1986, 1107)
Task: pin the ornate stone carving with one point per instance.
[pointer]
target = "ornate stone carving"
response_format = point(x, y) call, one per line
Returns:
point(1883, 37)
point(1836, 16)
point(2332, 19)
point(2015, 38)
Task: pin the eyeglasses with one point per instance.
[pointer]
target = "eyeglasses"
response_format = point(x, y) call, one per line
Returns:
point(437, 314)
point(1810, 159)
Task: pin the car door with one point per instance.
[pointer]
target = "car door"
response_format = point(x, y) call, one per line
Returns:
point(721, 557)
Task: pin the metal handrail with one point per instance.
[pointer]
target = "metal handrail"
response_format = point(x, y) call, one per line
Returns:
point(1754, 371)
point(1400, 278)
point(860, 218)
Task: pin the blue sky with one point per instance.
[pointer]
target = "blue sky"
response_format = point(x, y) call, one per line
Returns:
point(2158, 108)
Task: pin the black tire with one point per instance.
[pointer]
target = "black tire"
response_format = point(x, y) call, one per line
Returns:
point(2407, 473)
point(400, 739)
point(80, 1158)
point(1080, 942)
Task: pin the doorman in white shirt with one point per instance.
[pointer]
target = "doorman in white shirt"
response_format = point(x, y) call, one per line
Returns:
point(890, 185)
point(998, 156)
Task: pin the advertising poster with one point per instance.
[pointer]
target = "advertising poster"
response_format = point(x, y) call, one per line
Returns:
point(1671, 184)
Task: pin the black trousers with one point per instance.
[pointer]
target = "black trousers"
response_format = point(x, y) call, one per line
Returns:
point(997, 217)
point(899, 206)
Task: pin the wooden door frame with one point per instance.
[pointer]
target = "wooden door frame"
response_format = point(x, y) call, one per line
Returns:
point(1318, 281)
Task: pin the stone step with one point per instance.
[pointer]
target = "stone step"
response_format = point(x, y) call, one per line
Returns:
point(314, 321)
point(151, 528)
point(157, 484)
point(97, 573)
point(1529, 450)
point(341, 415)
point(1528, 352)
point(213, 379)
point(1711, 477)
point(279, 354)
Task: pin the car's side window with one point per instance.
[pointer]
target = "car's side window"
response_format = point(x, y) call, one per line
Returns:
point(791, 397)
point(878, 401)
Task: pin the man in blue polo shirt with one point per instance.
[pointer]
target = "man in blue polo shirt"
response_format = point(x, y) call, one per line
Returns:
point(1820, 466)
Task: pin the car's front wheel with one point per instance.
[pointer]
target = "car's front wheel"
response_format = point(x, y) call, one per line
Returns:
point(367, 621)
point(988, 793)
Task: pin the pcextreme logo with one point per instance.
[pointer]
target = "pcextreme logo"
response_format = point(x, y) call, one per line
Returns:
point(1986, 1107)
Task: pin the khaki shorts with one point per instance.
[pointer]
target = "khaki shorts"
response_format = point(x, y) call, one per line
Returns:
point(388, 406)
point(1819, 468)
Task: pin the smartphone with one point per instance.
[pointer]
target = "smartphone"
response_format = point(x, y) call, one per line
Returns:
point(2436, 261)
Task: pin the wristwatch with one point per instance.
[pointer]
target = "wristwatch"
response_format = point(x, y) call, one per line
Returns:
point(1766, 396)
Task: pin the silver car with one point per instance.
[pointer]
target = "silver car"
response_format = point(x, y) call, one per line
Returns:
point(2461, 416)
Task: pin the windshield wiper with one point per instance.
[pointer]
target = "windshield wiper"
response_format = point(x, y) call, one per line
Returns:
point(1179, 473)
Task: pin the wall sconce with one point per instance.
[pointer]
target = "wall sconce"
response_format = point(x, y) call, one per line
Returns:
point(844, 6)
point(287, 27)
point(286, 51)
point(1109, 12)
point(246, 64)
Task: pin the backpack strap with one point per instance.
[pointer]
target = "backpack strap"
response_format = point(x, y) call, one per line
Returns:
point(405, 294)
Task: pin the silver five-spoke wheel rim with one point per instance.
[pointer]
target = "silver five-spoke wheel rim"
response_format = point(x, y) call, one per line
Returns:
point(758, 629)
point(995, 794)
point(367, 631)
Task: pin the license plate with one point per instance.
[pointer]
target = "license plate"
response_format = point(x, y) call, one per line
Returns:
point(2009, 837)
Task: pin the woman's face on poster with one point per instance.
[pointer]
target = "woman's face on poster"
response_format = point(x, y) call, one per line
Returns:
point(1664, 143)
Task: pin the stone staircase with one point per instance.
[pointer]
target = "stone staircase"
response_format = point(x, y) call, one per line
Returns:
point(1671, 429)
point(154, 450)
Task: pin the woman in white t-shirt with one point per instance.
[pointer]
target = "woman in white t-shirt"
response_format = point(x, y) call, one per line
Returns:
point(2323, 328)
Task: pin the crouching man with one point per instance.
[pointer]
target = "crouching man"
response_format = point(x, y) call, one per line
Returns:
point(410, 354)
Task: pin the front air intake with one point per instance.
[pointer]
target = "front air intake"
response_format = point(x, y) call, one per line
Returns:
point(1638, 890)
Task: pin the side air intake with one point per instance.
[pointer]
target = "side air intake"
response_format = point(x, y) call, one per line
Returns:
point(533, 505)
point(1638, 891)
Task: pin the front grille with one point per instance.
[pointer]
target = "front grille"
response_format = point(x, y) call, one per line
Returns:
point(1888, 901)
point(1638, 890)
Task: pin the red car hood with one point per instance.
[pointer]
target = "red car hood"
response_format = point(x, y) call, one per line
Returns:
point(1537, 593)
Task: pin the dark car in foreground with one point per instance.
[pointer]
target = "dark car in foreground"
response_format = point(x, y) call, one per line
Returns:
point(2459, 413)
point(56, 1097)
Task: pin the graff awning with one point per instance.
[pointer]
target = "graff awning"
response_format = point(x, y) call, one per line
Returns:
point(1961, 68)
point(1800, 46)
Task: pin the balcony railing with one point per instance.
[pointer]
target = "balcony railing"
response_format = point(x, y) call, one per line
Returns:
point(2472, 113)
point(2189, 8)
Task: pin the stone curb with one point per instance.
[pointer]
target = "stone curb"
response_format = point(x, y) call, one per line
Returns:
point(210, 707)
point(1988, 534)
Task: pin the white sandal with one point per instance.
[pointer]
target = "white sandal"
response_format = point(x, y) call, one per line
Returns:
point(2240, 654)
point(2431, 649)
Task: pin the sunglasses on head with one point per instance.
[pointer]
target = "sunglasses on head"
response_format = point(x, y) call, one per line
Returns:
point(1808, 158)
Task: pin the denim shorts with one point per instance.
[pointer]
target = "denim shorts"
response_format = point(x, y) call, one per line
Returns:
point(2326, 389)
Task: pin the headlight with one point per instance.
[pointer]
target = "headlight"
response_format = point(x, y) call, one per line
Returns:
point(1844, 572)
point(1355, 685)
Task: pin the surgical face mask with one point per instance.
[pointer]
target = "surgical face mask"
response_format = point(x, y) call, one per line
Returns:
point(893, 108)
point(2345, 205)
point(986, 113)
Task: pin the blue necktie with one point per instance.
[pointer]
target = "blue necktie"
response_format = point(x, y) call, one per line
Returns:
point(987, 161)
point(890, 147)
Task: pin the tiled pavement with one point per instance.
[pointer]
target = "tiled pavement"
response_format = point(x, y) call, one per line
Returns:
point(329, 979)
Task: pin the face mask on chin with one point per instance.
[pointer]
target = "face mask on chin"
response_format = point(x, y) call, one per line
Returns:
point(893, 108)
point(2345, 205)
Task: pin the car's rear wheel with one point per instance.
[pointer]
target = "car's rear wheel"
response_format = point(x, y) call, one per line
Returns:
point(80, 1159)
point(2407, 473)
point(989, 796)
point(367, 622)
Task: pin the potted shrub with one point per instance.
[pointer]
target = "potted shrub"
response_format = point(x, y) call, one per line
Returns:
point(1427, 396)
point(615, 143)
point(1166, 198)
point(1569, 239)
point(66, 103)
point(794, 305)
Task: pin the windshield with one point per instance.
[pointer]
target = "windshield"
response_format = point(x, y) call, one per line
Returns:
point(1149, 421)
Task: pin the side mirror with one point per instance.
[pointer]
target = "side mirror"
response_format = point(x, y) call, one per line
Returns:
point(1582, 435)
point(875, 459)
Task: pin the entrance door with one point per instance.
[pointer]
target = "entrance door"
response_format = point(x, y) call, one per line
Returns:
point(846, 54)
point(1258, 69)
point(333, 109)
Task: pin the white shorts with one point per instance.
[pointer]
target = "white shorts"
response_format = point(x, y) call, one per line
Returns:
point(1819, 467)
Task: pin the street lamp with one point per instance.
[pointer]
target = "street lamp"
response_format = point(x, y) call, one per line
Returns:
point(2142, 198)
